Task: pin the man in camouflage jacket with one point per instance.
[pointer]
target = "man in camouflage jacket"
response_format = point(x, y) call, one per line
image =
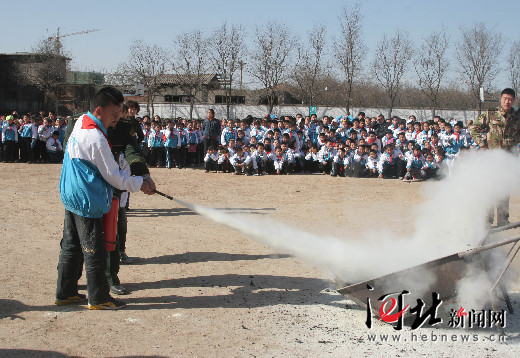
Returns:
point(499, 129)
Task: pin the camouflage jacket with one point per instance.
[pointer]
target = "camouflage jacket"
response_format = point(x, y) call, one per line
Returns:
point(496, 129)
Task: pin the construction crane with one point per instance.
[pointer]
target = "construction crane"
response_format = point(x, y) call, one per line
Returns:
point(57, 37)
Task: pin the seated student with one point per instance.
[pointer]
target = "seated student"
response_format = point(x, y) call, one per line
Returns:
point(259, 160)
point(224, 162)
point(415, 165)
point(280, 161)
point(312, 160)
point(270, 153)
point(297, 154)
point(400, 164)
point(241, 162)
point(386, 166)
point(211, 160)
point(243, 137)
point(156, 144)
point(357, 163)
point(429, 170)
point(340, 164)
point(371, 163)
point(401, 142)
point(291, 161)
point(54, 148)
point(326, 157)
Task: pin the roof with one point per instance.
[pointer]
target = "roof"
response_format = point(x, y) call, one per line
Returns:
point(205, 78)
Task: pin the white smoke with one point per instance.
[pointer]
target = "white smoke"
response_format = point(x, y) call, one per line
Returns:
point(452, 218)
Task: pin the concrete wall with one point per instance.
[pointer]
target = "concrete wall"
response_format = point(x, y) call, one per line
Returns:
point(167, 110)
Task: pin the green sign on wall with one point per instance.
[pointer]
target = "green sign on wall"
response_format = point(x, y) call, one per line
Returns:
point(312, 110)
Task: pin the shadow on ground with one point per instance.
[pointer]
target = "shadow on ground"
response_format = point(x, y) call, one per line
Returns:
point(193, 257)
point(236, 291)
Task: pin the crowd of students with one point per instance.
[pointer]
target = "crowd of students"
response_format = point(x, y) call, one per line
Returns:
point(342, 146)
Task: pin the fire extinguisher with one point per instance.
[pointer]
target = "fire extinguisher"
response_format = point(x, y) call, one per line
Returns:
point(110, 225)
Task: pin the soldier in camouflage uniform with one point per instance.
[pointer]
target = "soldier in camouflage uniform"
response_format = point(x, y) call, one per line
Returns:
point(499, 129)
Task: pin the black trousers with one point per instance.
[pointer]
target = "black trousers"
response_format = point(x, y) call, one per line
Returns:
point(10, 151)
point(156, 154)
point(25, 149)
point(83, 238)
point(210, 142)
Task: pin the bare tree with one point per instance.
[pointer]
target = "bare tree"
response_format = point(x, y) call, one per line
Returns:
point(349, 48)
point(146, 64)
point(226, 54)
point(477, 54)
point(431, 66)
point(309, 66)
point(270, 58)
point(391, 60)
point(192, 60)
point(514, 66)
point(45, 70)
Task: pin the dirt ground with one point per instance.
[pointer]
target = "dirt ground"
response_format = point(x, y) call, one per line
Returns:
point(201, 289)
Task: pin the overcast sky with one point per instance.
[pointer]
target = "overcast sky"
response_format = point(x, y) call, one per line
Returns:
point(121, 22)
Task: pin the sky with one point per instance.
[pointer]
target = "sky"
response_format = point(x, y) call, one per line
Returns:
point(24, 23)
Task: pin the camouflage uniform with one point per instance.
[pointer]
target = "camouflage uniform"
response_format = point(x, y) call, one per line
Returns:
point(497, 129)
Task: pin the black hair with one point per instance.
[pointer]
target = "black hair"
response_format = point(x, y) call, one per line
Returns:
point(211, 147)
point(105, 97)
point(508, 91)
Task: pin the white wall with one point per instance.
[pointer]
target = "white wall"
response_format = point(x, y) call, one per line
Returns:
point(241, 111)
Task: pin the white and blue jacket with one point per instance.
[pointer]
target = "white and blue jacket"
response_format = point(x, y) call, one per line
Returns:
point(90, 172)
point(10, 133)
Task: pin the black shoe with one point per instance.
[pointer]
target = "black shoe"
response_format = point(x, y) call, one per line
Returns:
point(72, 299)
point(124, 258)
point(118, 290)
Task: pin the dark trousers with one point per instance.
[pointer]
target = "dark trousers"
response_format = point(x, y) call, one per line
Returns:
point(25, 149)
point(42, 151)
point(210, 142)
point(54, 157)
point(502, 212)
point(113, 257)
point(211, 165)
point(182, 156)
point(83, 237)
point(338, 169)
point(201, 153)
point(156, 156)
point(327, 167)
point(172, 157)
point(10, 151)
point(311, 166)
point(226, 167)
point(389, 170)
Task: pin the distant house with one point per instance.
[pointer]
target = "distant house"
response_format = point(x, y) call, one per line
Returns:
point(27, 78)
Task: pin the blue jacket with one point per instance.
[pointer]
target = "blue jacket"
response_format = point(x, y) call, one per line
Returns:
point(90, 172)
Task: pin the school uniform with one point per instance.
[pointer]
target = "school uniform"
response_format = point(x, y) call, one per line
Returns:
point(326, 157)
point(156, 144)
point(172, 143)
point(357, 163)
point(242, 158)
point(224, 164)
point(10, 142)
point(415, 164)
point(259, 161)
point(280, 162)
point(429, 170)
point(184, 135)
point(28, 138)
point(311, 162)
point(193, 140)
point(371, 164)
point(211, 162)
point(227, 134)
point(54, 150)
point(386, 165)
point(339, 166)
point(44, 133)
